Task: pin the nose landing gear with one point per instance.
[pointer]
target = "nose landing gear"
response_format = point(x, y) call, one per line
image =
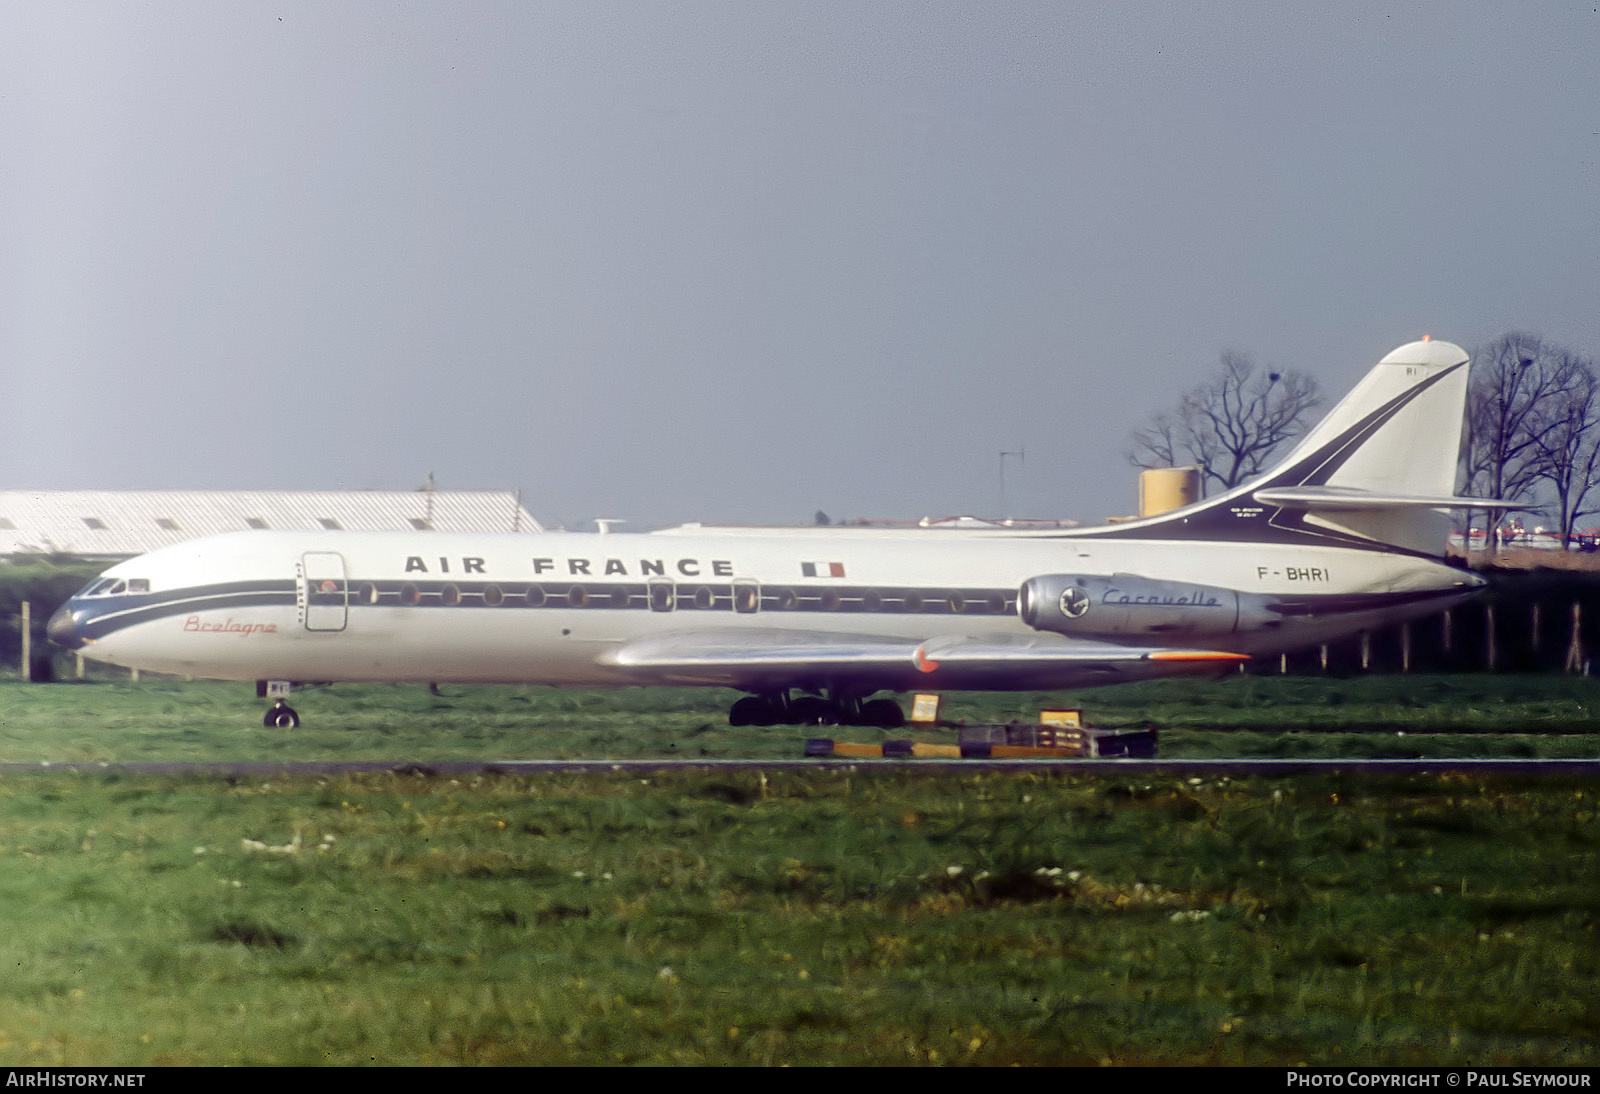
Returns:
point(280, 715)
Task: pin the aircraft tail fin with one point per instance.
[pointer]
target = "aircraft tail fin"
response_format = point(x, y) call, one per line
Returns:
point(1379, 470)
point(1399, 429)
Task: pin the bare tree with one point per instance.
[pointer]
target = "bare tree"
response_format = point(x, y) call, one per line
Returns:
point(1569, 444)
point(1230, 426)
point(1570, 455)
point(1531, 417)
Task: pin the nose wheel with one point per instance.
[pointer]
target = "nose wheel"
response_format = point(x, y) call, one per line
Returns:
point(281, 716)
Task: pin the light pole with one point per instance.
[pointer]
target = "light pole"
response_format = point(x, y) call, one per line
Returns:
point(1022, 457)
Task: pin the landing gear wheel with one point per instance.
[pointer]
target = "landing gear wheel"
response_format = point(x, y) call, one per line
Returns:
point(281, 716)
point(882, 713)
point(752, 710)
point(810, 710)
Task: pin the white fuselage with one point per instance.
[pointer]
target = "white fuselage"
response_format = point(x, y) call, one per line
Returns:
point(557, 607)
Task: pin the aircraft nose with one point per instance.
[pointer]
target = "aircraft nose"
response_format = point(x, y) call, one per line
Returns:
point(63, 628)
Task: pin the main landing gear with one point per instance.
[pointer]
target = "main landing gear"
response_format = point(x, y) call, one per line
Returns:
point(779, 708)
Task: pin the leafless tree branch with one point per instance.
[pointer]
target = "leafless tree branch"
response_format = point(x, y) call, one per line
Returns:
point(1229, 426)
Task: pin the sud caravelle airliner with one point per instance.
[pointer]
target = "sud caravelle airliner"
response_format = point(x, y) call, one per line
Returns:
point(1347, 533)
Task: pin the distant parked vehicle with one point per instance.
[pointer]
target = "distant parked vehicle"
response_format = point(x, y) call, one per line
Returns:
point(1515, 536)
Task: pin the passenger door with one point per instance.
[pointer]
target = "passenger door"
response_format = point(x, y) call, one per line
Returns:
point(324, 591)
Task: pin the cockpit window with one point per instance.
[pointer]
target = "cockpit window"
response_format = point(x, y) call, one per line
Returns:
point(114, 586)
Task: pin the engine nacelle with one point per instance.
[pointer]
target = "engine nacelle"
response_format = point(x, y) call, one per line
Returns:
point(1125, 604)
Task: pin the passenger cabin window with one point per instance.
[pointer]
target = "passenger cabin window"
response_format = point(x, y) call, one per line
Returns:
point(330, 524)
point(420, 525)
point(255, 522)
point(167, 524)
point(96, 523)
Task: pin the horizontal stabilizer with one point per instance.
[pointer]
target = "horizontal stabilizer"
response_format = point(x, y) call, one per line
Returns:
point(1353, 499)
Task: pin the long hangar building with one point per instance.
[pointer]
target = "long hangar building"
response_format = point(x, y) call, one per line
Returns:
point(116, 524)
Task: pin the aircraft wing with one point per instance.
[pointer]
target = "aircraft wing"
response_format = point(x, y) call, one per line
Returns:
point(760, 660)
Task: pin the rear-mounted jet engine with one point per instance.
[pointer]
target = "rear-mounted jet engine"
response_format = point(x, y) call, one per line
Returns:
point(1124, 604)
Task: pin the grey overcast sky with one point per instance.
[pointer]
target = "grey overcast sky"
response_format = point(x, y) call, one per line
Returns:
point(742, 261)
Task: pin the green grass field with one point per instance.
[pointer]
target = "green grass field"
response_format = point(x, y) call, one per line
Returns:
point(871, 915)
point(165, 719)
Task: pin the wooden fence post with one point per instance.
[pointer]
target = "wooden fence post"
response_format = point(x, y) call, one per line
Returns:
point(1575, 657)
point(1488, 631)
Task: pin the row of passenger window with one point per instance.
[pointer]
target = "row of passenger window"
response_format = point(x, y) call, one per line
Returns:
point(666, 597)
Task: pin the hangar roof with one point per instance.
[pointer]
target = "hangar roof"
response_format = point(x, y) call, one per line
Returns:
point(117, 524)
